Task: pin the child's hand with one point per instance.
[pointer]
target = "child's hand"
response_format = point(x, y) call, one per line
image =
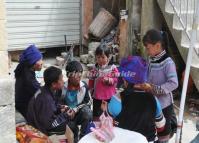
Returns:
point(71, 113)
point(64, 108)
point(143, 86)
point(108, 81)
point(104, 106)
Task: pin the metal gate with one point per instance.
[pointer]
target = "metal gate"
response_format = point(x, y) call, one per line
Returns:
point(42, 22)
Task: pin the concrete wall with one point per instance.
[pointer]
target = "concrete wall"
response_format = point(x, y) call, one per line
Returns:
point(143, 15)
point(134, 21)
point(150, 17)
point(3, 41)
point(7, 109)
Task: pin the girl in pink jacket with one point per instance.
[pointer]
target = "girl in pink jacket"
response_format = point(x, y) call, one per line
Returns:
point(102, 79)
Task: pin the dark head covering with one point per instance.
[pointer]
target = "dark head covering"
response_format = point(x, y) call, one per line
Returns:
point(27, 59)
point(31, 55)
point(134, 69)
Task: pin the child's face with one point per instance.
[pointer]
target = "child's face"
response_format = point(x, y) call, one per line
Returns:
point(59, 84)
point(75, 78)
point(153, 49)
point(38, 65)
point(101, 59)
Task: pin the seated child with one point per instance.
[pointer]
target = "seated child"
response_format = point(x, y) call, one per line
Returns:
point(140, 111)
point(43, 111)
point(76, 96)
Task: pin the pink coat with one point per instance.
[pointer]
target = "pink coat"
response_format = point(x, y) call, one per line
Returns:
point(103, 81)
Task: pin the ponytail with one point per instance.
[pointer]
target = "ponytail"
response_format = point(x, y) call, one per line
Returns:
point(153, 36)
point(165, 41)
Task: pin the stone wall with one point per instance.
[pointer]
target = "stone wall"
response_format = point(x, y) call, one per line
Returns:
point(151, 17)
point(134, 22)
point(3, 41)
point(7, 106)
point(7, 111)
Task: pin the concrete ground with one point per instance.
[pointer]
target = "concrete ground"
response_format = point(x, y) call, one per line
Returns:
point(189, 131)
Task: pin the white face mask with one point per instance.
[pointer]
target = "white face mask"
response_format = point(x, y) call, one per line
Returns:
point(103, 66)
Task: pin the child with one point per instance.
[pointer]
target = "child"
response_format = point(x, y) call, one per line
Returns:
point(162, 75)
point(44, 113)
point(76, 96)
point(102, 79)
point(26, 84)
point(140, 112)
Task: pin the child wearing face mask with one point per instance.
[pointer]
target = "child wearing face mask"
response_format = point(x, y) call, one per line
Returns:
point(102, 79)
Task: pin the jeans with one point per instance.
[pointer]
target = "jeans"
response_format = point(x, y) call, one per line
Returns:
point(82, 118)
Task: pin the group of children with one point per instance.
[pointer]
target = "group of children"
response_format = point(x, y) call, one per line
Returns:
point(145, 105)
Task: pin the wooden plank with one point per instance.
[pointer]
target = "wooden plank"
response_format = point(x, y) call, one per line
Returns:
point(123, 39)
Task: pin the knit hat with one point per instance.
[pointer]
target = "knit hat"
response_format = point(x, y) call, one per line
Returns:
point(134, 69)
point(31, 55)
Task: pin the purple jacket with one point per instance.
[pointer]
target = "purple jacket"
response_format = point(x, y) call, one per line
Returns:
point(162, 75)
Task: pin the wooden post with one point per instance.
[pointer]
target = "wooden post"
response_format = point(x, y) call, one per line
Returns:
point(123, 39)
point(87, 18)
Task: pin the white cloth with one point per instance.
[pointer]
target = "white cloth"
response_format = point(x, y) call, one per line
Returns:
point(121, 136)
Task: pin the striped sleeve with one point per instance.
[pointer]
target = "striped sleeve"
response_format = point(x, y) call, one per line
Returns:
point(159, 118)
point(170, 84)
point(87, 101)
point(60, 119)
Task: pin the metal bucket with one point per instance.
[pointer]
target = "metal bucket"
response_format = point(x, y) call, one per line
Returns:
point(102, 24)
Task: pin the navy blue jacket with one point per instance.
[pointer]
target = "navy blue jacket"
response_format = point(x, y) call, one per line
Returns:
point(138, 113)
point(44, 112)
point(25, 87)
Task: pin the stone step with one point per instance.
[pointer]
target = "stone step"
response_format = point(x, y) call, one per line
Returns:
point(186, 19)
point(7, 91)
point(7, 124)
point(185, 41)
point(181, 6)
point(180, 38)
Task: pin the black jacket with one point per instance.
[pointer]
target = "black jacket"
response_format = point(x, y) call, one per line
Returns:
point(25, 87)
point(138, 112)
point(44, 112)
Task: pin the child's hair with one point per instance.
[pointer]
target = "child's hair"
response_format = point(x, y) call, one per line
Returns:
point(153, 36)
point(51, 75)
point(73, 67)
point(102, 49)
